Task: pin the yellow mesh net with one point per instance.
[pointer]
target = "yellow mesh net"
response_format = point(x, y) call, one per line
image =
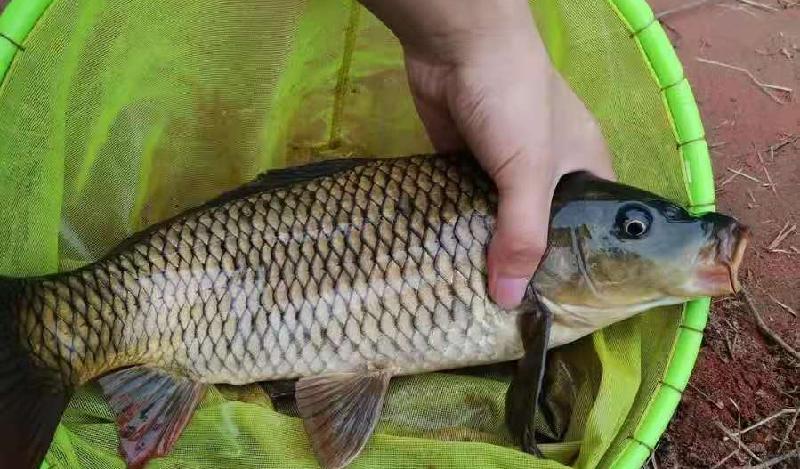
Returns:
point(121, 113)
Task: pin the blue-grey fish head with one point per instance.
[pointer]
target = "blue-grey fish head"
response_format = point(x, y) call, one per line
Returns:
point(614, 247)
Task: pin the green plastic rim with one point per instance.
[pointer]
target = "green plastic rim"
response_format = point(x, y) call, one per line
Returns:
point(18, 19)
point(698, 176)
point(21, 16)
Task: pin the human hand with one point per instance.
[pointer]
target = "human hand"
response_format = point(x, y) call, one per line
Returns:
point(481, 78)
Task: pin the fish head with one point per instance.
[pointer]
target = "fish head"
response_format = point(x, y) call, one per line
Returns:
point(613, 247)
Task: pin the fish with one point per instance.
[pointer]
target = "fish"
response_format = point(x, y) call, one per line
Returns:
point(340, 275)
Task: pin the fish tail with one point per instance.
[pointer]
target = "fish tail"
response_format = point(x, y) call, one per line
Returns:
point(32, 395)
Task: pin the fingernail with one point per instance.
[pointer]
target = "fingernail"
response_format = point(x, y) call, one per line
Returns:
point(508, 292)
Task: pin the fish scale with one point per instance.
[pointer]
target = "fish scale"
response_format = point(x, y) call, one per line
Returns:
point(379, 266)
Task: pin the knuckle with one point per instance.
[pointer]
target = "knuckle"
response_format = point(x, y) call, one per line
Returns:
point(525, 249)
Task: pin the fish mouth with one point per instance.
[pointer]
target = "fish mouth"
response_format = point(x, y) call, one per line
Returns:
point(722, 276)
point(739, 247)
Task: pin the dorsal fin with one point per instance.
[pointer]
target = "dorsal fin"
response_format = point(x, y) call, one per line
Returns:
point(285, 177)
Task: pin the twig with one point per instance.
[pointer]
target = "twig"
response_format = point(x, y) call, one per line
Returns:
point(735, 328)
point(682, 8)
point(706, 396)
point(722, 124)
point(758, 5)
point(781, 251)
point(769, 178)
point(728, 180)
point(765, 87)
point(729, 346)
point(789, 139)
point(752, 197)
point(778, 146)
point(784, 306)
point(738, 411)
point(737, 440)
point(762, 326)
point(783, 234)
point(742, 8)
point(789, 429)
point(781, 413)
point(776, 460)
point(725, 459)
point(739, 172)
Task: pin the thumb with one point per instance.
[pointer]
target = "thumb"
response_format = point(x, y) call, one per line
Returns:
point(520, 236)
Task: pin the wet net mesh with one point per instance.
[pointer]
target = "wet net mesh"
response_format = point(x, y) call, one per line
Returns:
point(120, 113)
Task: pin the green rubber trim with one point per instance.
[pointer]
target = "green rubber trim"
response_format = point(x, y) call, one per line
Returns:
point(697, 166)
point(685, 115)
point(685, 351)
point(664, 61)
point(687, 125)
point(696, 314)
point(655, 421)
point(16, 22)
point(636, 14)
point(633, 455)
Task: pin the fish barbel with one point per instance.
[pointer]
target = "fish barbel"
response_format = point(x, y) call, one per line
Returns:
point(341, 274)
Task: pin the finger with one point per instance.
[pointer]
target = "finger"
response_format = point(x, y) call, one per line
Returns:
point(426, 81)
point(587, 153)
point(512, 139)
point(440, 127)
point(520, 236)
point(579, 138)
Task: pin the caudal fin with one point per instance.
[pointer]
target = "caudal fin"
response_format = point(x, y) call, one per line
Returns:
point(32, 398)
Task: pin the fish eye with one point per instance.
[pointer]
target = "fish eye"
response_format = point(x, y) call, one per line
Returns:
point(633, 222)
point(634, 228)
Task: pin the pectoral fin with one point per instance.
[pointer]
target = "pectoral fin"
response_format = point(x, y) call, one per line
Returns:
point(340, 412)
point(523, 393)
point(281, 389)
point(281, 393)
point(151, 407)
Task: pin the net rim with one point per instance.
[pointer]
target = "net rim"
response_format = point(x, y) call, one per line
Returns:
point(16, 21)
point(20, 17)
point(687, 126)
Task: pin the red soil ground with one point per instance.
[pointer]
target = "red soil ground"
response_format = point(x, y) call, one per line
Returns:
point(741, 377)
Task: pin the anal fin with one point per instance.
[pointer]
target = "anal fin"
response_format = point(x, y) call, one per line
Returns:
point(151, 407)
point(340, 412)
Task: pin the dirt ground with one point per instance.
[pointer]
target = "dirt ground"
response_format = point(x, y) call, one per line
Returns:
point(742, 378)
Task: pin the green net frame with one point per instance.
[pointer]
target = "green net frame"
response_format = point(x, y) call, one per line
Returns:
point(21, 16)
